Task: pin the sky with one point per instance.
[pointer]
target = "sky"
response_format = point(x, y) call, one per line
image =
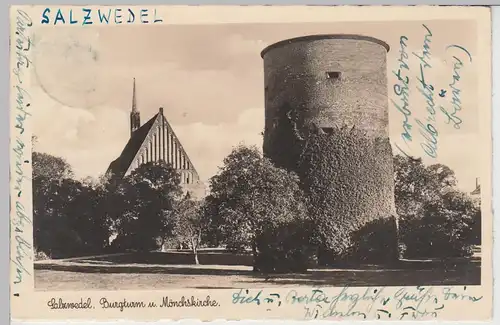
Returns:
point(209, 80)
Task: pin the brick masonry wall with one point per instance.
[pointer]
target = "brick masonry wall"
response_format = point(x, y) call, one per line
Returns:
point(296, 73)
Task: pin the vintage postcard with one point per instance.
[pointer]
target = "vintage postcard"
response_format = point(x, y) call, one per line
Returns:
point(250, 162)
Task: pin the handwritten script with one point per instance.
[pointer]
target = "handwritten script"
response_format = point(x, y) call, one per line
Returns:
point(441, 102)
point(21, 219)
point(372, 303)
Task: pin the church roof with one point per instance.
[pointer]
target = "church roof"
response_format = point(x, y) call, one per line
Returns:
point(477, 191)
point(120, 165)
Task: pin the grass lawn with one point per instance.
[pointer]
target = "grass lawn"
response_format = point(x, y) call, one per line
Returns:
point(170, 270)
point(175, 270)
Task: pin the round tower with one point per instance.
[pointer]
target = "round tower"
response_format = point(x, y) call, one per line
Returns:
point(326, 118)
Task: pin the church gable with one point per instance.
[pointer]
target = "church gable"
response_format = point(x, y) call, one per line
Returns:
point(153, 142)
point(160, 143)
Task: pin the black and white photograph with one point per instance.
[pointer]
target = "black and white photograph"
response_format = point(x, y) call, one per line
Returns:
point(256, 155)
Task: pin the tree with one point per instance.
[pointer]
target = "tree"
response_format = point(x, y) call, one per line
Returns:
point(47, 170)
point(50, 167)
point(52, 231)
point(477, 224)
point(435, 219)
point(254, 202)
point(416, 184)
point(188, 223)
point(142, 205)
point(68, 214)
point(51, 227)
point(88, 210)
point(214, 232)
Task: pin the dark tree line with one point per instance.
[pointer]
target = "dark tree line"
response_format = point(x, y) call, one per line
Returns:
point(253, 206)
point(139, 212)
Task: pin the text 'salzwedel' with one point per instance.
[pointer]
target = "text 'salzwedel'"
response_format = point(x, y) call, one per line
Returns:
point(88, 16)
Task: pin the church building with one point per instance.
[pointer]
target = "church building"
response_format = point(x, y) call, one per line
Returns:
point(155, 141)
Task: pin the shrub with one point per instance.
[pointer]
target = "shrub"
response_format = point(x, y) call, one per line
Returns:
point(135, 242)
point(376, 242)
point(41, 256)
point(284, 249)
point(446, 228)
point(423, 238)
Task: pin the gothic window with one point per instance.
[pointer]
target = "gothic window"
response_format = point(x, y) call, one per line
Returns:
point(151, 150)
point(155, 148)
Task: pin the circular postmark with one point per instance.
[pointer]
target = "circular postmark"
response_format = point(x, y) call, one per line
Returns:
point(67, 67)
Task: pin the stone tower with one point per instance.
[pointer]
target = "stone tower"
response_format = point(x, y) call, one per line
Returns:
point(326, 118)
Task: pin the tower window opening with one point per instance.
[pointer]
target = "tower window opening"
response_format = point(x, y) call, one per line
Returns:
point(327, 130)
point(333, 75)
